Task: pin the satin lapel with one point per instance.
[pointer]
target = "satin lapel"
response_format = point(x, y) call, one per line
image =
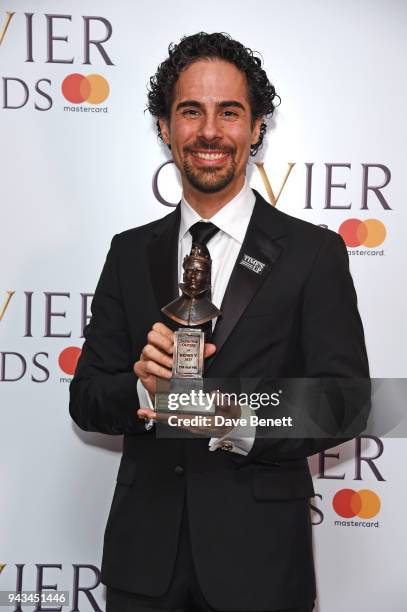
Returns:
point(260, 245)
point(163, 261)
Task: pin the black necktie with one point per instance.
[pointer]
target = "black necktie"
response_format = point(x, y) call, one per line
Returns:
point(201, 233)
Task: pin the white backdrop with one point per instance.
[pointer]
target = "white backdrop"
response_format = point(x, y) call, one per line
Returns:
point(70, 179)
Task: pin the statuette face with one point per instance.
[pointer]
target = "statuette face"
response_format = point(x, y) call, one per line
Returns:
point(194, 307)
point(197, 270)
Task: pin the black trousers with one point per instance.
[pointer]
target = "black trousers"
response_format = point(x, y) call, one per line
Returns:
point(184, 593)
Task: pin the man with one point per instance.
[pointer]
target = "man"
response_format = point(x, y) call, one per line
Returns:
point(215, 522)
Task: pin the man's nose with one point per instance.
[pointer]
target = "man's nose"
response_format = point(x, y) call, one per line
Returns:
point(210, 128)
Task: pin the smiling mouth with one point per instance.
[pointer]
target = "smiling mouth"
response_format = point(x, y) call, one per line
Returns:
point(210, 158)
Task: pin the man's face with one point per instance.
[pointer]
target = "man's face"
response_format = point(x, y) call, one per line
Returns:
point(210, 128)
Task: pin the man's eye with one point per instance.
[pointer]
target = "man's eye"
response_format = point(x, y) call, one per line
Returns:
point(229, 114)
point(190, 113)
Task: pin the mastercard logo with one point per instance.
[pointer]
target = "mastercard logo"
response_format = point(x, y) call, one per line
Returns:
point(349, 503)
point(369, 233)
point(77, 88)
point(68, 359)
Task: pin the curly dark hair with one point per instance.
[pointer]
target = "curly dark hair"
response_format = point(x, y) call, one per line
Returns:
point(217, 45)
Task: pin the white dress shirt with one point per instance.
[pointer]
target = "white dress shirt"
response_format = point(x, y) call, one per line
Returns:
point(232, 221)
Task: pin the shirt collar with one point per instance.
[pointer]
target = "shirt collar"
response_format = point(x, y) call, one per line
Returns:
point(233, 218)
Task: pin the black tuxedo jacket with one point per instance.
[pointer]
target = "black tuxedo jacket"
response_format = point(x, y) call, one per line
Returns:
point(249, 516)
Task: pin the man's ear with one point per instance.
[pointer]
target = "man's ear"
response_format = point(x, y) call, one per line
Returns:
point(256, 129)
point(165, 129)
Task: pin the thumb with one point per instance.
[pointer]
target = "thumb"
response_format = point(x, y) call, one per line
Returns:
point(210, 349)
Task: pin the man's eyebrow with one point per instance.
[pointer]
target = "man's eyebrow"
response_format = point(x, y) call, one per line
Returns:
point(227, 103)
point(221, 104)
point(185, 103)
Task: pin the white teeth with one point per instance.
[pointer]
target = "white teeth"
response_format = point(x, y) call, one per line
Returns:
point(209, 156)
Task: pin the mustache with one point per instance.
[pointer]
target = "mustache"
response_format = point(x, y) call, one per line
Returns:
point(209, 146)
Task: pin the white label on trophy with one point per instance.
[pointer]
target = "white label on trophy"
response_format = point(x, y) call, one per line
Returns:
point(188, 354)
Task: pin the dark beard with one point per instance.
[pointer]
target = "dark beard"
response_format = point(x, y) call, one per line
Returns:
point(202, 181)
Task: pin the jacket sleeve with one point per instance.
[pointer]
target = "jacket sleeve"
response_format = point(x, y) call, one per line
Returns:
point(333, 347)
point(103, 392)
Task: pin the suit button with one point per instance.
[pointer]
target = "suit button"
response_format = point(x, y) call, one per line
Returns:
point(227, 445)
point(179, 470)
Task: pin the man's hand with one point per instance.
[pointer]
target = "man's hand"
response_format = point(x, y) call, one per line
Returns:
point(156, 357)
point(231, 411)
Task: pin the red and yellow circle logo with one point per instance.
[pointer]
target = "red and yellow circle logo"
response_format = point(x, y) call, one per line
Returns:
point(68, 359)
point(369, 233)
point(77, 88)
point(349, 503)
